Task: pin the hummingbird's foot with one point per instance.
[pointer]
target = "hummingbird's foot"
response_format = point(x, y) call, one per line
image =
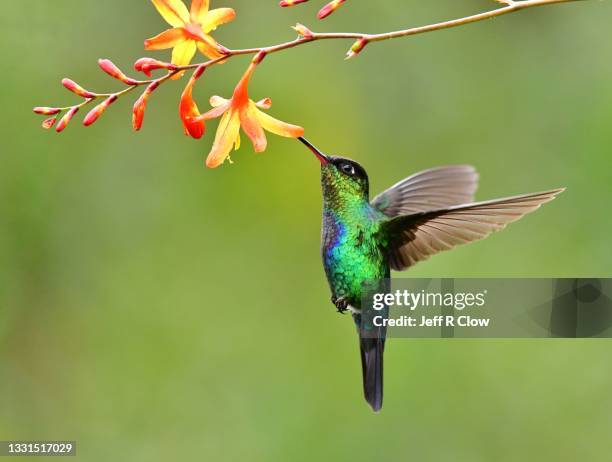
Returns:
point(342, 304)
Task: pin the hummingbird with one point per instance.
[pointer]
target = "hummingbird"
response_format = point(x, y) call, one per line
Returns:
point(362, 240)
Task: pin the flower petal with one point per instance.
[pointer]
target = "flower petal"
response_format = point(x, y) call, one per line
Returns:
point(167, 39)
point(209, 48)
point(252, 127)
point(216, 101)
point(265, 103)
point(199, 9)
point(216, 17)
point(240, 98)
point(279, 127)
point(226, 137)
point(173, 11)
point(183, 53)
point(215, 112)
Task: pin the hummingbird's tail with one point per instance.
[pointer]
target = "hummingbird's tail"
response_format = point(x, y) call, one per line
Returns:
point(372, 350)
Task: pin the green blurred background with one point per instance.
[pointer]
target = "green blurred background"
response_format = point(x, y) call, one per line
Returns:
point(154, 310)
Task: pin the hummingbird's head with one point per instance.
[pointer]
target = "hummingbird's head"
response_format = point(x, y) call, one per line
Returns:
point(339, 175)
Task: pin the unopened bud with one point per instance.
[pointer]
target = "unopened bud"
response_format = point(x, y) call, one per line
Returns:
point(64, 121)
point(96, 112)
point(75, 88)
point(146, 65)
point(109, 67)
point(141, 105)
point(303, 31)
point(357, 47)
point(329, 8)
point(259, 57)
point(46, 110)
point(48, 123)
point(285, 3)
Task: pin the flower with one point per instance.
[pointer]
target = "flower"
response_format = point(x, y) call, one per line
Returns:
point(190, 30)
point(241, 111)
point(193, 125)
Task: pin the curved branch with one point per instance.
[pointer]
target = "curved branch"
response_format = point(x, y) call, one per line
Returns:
point(510, 7)
point(305, 36)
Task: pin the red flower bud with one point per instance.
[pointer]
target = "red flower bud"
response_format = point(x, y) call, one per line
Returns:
point(357, 47)
point(146, 65)
point(64, 121)
point(188, 109)
point(77, 89)
point(109, 67)
point(96, 112)
point(291, 2)
point(259, 57)
point(329, 8)
point(46, 110)
point(48, 123)
point(140, 106)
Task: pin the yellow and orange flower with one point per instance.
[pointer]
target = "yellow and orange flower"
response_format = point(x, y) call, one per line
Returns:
point(190, 29)
point(239, 111)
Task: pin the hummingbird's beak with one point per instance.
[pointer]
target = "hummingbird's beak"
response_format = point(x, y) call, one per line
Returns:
point(322, 157)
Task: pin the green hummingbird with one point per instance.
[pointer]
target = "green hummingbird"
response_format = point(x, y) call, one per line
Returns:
point(362, 240)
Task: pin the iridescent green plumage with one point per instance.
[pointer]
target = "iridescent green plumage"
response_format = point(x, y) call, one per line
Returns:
point(351, 245)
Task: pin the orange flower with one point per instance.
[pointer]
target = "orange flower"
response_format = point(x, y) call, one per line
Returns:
point(193, 125)
point(241, 111)
point(190, 29)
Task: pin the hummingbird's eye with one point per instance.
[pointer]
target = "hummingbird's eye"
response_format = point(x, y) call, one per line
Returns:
point(348, 169)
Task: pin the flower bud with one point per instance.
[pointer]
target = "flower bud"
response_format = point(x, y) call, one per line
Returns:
point(284, 3)
point(357, 47)
point(46, 110)
point(303, 31)
point(109, 67)
point(188, 109)
point(75, 88)
point(96, 112)
point(146, 65)
point(65, 120)
point(259, 57)
point(140, 106)
point(48, 123)
point(329, 8)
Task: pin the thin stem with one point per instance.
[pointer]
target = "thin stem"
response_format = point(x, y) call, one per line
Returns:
point(511, 6)
point(362, 40)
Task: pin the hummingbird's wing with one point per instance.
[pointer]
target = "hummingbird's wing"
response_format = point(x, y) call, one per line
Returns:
point(431, 189)
point(413, 238)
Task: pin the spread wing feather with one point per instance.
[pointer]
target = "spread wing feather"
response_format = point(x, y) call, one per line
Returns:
point(431, 189)
point(415, 237)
